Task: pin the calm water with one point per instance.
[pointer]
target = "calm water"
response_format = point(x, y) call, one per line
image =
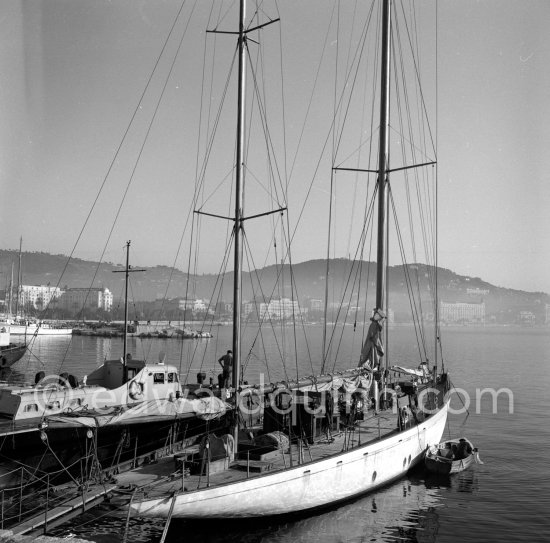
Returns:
point(506, 498)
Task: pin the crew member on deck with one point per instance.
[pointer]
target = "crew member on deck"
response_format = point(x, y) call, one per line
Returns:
point(226, 362)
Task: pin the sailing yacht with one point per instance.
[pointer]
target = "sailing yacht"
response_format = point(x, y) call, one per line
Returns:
point(23, 326)
point(324, 439)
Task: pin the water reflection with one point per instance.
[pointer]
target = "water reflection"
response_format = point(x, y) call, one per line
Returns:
point(465, 481)
point(408, 511)
point(402, 511)
point(405, 511)
point(11, 375)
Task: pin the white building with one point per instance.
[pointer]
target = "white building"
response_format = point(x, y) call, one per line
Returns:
point(76, 299)
point(477, 291)
point(278, 309)
point(194, 305)
point(36, 296)
point(462, 312)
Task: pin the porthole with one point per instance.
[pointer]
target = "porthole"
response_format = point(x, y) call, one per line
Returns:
point(374, 477)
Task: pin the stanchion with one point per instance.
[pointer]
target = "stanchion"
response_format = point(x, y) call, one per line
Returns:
point(125, 536)
point(169, 518)
point(47, 504)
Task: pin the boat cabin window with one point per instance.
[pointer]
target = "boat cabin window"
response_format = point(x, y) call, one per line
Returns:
point(172, 377)
point(30, 407)
point(132, 372)
point(54, 405)
point(158, 378)
point(77, 402)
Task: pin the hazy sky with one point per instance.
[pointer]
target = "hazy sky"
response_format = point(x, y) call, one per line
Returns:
point(72, 72)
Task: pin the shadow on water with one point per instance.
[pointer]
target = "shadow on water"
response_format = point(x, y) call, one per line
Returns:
point(465, 481)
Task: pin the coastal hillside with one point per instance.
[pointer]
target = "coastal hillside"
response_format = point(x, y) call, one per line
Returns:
point(158, 282)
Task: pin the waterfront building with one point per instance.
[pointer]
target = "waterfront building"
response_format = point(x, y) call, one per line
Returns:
point(462, 313)
point(77, 299)
point(37, 296)
point(279, 309)
point(276, 309)
point(197, 306)
point(526, 318)
point(316, 304)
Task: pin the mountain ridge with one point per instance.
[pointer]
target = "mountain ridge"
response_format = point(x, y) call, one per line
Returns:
point(157, 282)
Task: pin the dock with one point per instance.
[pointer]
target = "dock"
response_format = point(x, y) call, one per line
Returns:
point(50, 518)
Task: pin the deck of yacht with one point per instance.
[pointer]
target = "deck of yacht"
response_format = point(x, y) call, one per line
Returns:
point(164, 477)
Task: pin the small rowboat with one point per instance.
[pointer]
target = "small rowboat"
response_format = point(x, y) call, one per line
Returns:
point(451, 456)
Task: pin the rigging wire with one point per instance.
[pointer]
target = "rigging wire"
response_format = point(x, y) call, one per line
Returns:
point(113, 160)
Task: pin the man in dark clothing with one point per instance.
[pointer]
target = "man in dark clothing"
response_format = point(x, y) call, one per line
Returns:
point(464, 449)
point(226, 362)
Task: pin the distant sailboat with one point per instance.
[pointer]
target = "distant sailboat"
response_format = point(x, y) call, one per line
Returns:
point(24, 326)
point(376, 428)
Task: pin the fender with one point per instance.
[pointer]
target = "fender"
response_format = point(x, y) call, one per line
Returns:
point(135, 390)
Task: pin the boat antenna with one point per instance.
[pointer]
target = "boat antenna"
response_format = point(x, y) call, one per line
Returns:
point(127, 270)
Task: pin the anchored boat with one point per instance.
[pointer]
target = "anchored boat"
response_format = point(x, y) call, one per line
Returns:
point(326, 438)
point(451, 456)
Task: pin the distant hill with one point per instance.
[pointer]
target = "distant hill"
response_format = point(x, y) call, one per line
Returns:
point(161, 281)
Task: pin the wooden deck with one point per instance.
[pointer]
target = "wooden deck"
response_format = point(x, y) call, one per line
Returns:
point(165, 476)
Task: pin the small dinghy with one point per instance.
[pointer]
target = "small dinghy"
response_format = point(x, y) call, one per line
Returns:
point(451, 456)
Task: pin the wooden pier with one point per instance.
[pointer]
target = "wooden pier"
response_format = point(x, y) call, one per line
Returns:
point(50, 518)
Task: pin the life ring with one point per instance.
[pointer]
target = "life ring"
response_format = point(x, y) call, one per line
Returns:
point(135, 390)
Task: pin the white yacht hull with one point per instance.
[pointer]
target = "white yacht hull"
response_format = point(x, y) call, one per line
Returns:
point(307, 486)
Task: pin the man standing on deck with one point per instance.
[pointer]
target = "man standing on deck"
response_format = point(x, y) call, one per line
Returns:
point(226, 362)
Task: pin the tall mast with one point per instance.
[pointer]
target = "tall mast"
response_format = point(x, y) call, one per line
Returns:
point(125, 334)
point(19, 278)
point(11, 292)
point(383, 157)
point(127, 271)
point(239, 180)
